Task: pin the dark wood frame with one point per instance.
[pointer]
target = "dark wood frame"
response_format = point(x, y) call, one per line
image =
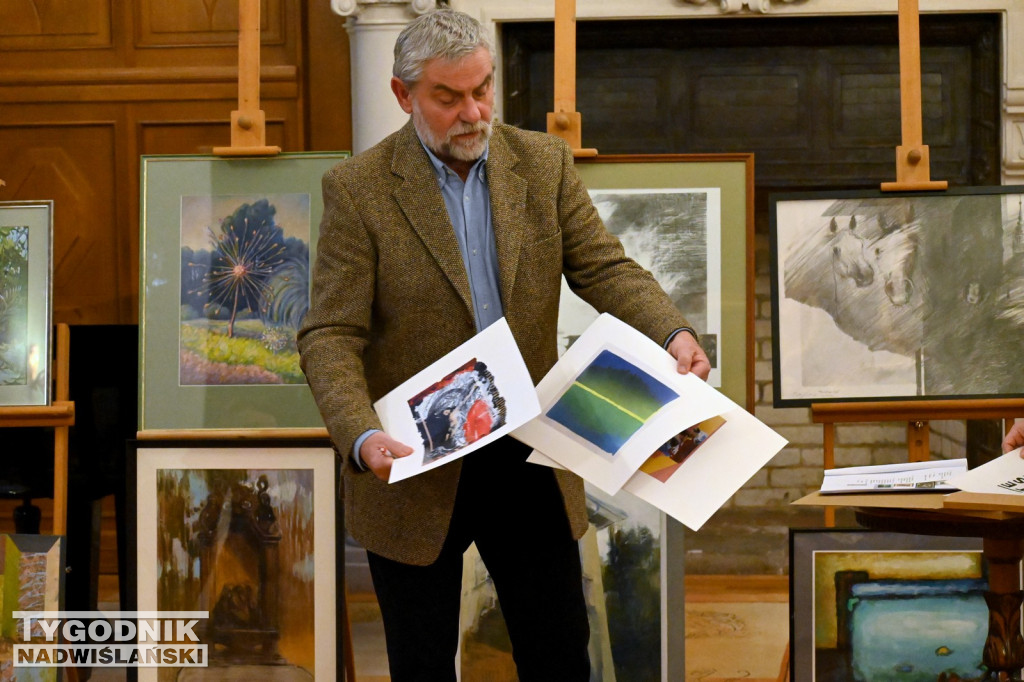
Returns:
point(788, 341)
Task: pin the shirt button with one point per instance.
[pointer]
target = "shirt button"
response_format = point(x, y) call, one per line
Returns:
point(486, 306)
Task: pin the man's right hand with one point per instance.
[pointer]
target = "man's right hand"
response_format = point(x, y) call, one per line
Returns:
point(379, 451)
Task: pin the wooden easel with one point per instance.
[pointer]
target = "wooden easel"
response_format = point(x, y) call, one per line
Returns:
point(912, 162)
point(248, 138)
point(60, 414)
point(565, 122)
point(912, 174)
point(248, 122)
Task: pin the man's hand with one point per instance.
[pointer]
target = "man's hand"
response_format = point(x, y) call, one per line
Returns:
point(690, 357)
point(1014, 437)
point(379, 451)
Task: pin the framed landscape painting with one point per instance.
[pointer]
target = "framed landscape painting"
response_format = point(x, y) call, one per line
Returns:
point(880, 606)
point(26, 232)
point(883, 296)
point(688, 219)
point(227, 248)
point(248, 535)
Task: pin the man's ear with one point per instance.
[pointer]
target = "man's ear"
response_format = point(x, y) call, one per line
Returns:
point(402, 94)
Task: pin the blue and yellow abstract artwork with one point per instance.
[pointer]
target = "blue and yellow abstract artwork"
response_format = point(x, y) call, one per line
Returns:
point(609, 401)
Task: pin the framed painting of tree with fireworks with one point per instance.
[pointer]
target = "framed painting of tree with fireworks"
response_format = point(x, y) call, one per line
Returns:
point(227, 246)
point(26, 228)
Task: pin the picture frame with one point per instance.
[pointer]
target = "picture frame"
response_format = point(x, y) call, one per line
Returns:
point(26, 296)
point(704, 257)
point(638, 633)
point(203, 543)
point(33, 581)
point(848, 586)
point(891, 296)
point(227, 248)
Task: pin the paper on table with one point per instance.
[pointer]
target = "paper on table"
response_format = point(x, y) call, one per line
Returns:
point(612, 399)
point(928, 476)
point(473, 395)
point(1003, 475)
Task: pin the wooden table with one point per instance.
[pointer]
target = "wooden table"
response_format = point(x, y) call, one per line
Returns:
point(1002, 551)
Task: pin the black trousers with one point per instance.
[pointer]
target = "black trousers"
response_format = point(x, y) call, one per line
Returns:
point(514, 513)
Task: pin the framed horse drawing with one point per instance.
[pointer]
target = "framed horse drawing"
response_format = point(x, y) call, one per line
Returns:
point(881, 296)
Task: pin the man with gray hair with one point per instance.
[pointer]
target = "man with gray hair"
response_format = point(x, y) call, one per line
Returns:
point(440, 230)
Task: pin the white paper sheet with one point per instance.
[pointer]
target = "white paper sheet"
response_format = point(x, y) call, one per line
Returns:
point(735, 451)
point(1003, 475)
point(612, 399)
point(473, 395)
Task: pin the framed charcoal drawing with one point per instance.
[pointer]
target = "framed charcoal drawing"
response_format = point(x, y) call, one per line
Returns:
point(882, 296)
point(247, 534)
point(26, 233)
point(689, 220)
point(227, 247)
point(885, 604)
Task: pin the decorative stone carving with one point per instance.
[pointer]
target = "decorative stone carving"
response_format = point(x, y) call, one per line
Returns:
point(734, 6)
point(348, 8)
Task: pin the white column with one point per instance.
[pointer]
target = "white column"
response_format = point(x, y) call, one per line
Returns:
point(373, 26)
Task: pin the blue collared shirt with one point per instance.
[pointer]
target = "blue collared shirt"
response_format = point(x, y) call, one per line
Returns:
point(469, 209)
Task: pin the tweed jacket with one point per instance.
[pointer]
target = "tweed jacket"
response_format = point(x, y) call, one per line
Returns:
point(390, 296)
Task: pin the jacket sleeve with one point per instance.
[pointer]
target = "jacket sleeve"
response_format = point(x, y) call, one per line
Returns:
point(336, 329)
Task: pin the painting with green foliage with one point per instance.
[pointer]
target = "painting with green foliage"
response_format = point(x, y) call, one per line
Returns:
point(244, 288)
point(623, 582)
point(26, 229)
point(225, 255)
point(14, 347)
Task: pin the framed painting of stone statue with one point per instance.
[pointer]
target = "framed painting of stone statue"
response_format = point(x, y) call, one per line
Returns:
point(247, 535)
point(897, 296)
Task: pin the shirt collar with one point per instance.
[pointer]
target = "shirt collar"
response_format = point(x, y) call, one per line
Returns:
point(443, 172)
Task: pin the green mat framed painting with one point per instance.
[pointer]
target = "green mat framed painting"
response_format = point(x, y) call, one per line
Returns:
point(227, 246)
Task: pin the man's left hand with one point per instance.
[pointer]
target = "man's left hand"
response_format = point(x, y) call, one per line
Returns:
point(690, 357)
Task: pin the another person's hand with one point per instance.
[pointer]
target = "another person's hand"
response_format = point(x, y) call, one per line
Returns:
point(1014, 437)
point(379, 451)
point(690, 357)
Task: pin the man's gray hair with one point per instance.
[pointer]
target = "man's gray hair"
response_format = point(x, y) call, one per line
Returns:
point(443, 33)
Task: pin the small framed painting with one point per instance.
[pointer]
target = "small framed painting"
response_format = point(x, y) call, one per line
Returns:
point(26, 234)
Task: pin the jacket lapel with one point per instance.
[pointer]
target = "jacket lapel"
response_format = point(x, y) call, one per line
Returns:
point(420, 200)
point(508, 209)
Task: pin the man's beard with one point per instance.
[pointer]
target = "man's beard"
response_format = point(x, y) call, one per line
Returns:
point(448, 147)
